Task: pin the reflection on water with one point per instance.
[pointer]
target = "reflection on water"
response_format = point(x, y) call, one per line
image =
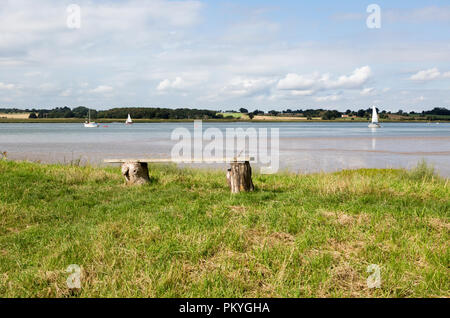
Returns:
point(305, 147)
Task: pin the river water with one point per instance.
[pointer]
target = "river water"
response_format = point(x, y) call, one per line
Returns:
point(303, 147)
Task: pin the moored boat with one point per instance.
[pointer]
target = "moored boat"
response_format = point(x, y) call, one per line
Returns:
point(90, 124)
point(374, 123)
point(128, 121)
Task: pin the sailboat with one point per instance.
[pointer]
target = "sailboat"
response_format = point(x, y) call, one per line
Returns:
point(89, 123)
point(128, 121)
point(374, 123)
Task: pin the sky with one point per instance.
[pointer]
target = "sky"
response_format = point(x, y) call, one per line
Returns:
point(224, 55)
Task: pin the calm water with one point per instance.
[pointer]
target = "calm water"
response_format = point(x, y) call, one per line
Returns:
point(305, 147)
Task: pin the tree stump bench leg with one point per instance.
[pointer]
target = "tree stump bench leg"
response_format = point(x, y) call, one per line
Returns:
point(239, 177)
point(135, 173)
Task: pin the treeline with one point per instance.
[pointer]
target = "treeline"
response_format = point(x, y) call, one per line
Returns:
point(11, 110)
point(120, 113)
point(438, 111)
point(186, 113)
point(159, 113)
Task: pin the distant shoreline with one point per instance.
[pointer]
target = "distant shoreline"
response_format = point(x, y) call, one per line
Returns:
point(115, 120)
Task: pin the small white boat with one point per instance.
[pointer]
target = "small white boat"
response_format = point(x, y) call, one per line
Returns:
point(89, 123)
point(128, 121)
point(374, 123)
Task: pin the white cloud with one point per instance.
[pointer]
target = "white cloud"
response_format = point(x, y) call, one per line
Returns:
point(47, 87)
point(6, 86)
point(318, 82)
point(367, 91)
point(177, 83)
point(307, 92)
point(328, 98)
point(31, 74)
point(66, 93)
point(416, 100)
point(289, 87)
point(242, 87)
point(294, 81)
point(101, 89)
point(248, 86)
point(251, 31)
point(355, 80)
point(426, 75)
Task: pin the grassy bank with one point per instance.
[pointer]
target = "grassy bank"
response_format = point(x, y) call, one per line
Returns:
point(186, 235)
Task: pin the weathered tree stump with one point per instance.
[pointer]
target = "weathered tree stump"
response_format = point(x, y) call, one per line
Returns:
point(135, 173)
point(239, 177)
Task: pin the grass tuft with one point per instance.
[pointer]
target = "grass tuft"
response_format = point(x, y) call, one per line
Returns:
point(423, 170)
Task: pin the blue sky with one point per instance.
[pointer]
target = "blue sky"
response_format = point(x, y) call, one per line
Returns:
point(225, 54)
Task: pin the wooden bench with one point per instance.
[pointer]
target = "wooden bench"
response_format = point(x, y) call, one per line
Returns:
point(239, 175)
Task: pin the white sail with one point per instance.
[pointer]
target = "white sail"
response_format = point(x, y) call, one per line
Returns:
point(374, 115)
point(129, 121)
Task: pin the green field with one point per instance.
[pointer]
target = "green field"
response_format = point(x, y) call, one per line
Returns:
point(234, 115)
point(185, 235)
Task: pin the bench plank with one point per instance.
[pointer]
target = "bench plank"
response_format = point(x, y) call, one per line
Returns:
point(168, 160)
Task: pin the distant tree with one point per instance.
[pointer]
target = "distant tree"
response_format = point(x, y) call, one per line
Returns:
point(438, 111)
point(32, 115)
point(331, 115)
point(68, 114)
point(243, 110)
point(250, 115)
point(80, 112)
point(361, 113)
point(274, 112)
